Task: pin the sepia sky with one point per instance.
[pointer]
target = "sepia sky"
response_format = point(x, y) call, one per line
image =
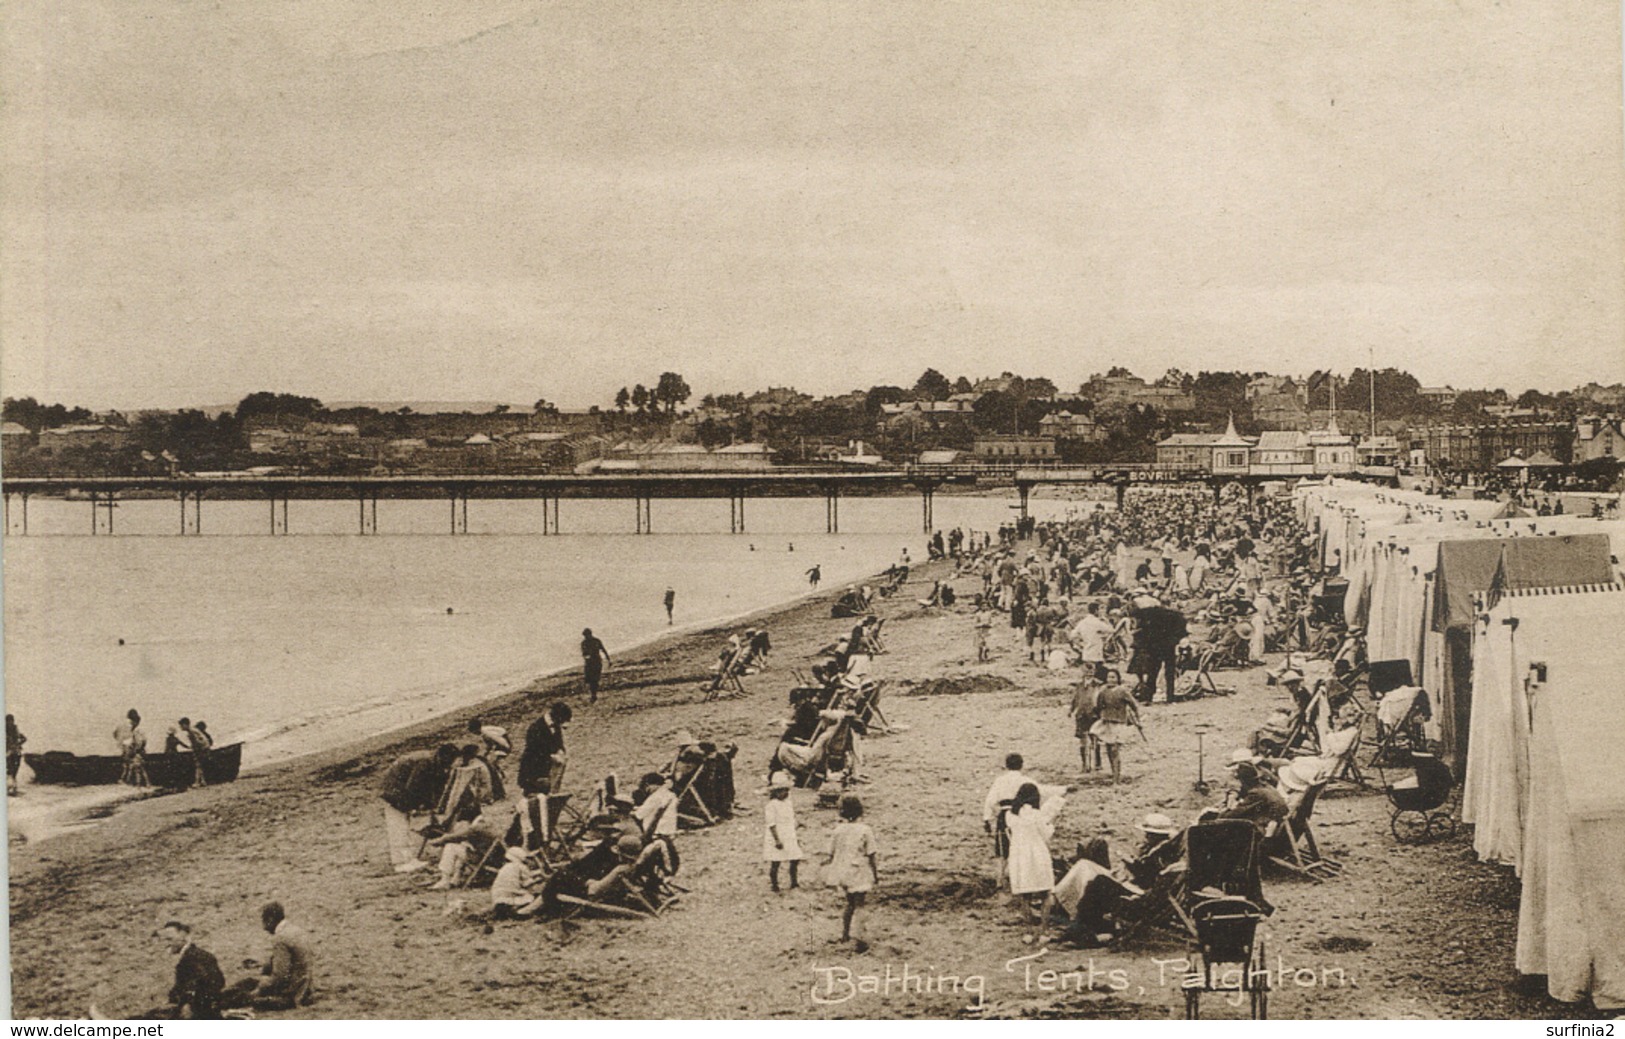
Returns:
point(508, 200)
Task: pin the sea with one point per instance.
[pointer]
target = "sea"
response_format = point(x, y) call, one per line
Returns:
point(301, 642)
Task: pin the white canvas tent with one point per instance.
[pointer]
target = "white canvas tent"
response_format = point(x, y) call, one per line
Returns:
point(1548, 722)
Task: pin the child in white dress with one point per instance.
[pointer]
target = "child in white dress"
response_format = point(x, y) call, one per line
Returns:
point(780, 844)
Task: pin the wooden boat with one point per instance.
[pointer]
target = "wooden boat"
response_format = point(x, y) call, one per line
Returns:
point(163, 770)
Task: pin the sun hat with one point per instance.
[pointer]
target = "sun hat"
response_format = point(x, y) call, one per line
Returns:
point(684, 738)
point(1158, 823)
point(780, 781)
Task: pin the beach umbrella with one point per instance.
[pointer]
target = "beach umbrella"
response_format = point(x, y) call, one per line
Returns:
point(1512, 462)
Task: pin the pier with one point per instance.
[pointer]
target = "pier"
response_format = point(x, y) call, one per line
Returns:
point(459, 491)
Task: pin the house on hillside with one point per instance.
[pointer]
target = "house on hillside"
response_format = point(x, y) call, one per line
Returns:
point(1280, 411)
point(15, 440)
point(855, 453)
point(1597, 436)
point(1064, 425)
point(1441, 397)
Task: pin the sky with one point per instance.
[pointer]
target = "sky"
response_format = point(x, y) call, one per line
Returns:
point(510, 200)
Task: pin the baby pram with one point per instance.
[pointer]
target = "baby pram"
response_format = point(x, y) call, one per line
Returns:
point(1221, 903)
point(1422, 808)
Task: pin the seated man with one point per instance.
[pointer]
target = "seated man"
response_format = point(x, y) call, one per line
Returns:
point(198, 979)
point(656, 811)
point(594, 875)
point(288, 977)
point(1257, 800)
point(1160, 848)
point(466, 841)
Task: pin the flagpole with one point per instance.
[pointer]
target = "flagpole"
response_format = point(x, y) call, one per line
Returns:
point(1371, 368)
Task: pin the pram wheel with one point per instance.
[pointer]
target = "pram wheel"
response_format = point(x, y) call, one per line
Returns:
point(1409, 827)
point(1441, 825)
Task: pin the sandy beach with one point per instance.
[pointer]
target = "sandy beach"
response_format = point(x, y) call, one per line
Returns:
point(1407, 932)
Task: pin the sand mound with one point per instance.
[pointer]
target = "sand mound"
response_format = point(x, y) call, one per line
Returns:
point(958, 685)
point(940, 892)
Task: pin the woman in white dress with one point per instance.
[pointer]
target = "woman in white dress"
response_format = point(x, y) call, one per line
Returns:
point(1032, 870)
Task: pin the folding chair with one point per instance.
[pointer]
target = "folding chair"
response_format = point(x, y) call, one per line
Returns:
point(1292, 845)
point(728, 676)
point(1395, 742)
point(645, 892)
point(691, 807)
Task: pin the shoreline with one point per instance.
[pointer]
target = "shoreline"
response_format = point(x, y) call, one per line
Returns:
point(95, 805)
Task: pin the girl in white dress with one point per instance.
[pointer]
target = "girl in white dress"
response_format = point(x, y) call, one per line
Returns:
point(779, 844)
point(853, 866)
point(1032, 870)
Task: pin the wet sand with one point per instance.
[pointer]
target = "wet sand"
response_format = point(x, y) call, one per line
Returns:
point(1408, 931)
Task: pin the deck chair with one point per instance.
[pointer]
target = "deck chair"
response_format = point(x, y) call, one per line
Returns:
point(1396, 739)
point(808, 763)
point(866, 705)
point(645, 891)
point(547, 827)
point(1344, 745)
point(1292, 845)
point(702, 780)
point(1199, 680)
point(729, 676)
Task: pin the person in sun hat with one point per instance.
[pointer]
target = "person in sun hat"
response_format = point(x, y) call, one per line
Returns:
point(1160, 846)
point(779, 843)
point(1257, 799)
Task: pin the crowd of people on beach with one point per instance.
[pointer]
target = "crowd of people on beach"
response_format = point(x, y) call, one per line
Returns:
point(1123, 602)
point(1175, 583)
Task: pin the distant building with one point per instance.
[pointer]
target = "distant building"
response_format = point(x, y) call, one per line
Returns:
point(1186, 450)
point(1483, 446)
point(1441, 397)
point(15, 440)
point(1275, 386)
point(1123, 391)
point(1598, 437)
point(1334, 450)
point(1603, 396)
point(777, 400)
point(669, 456)
point(404, 449)
point(82, 437)
point(1065, 425)
point(1280, 411)
point(1010, 448)
point(1231, 452)
point(940, 457)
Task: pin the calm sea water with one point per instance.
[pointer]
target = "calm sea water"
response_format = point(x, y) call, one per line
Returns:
point(298, 643)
